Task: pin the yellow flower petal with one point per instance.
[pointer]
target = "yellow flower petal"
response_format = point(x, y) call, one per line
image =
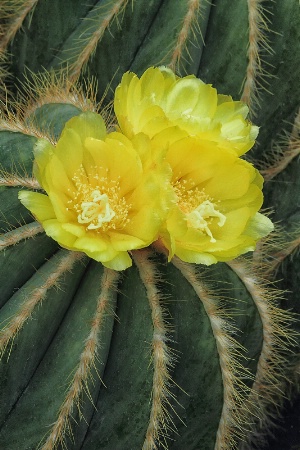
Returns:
point(124, 242)
point(106, 196)
point(56, 176)
point(121, 262)
point(54, 229)
point(60, 206)
point(87, 124)
point(70, 159)
point(185, 93)
point(234, 226)
point(160, 100)
point(74, 229)
point(39, 205)
point(259, 226)
point(92, 244)
point(43, 151)
point(117, 159)
point(196, 257)
point(218, 197)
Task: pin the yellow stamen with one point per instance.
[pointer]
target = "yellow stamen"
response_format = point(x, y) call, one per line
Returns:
point(97, 202)
point(188, 198)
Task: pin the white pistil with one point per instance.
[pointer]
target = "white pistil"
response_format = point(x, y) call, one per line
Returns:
point(97, 211)
point(206, 210)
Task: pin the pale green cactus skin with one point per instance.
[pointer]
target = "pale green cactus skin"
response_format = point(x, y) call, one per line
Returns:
point(164, 355)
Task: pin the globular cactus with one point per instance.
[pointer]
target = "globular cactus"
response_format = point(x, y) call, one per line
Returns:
point(164, 354)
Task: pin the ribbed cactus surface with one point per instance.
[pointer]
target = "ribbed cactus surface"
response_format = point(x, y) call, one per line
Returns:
point(164, 354)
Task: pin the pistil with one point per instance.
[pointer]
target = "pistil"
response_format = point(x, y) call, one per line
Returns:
point(97, 211)
point(198, 207)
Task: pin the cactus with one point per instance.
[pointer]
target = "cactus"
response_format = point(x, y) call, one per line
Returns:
point(165, 354)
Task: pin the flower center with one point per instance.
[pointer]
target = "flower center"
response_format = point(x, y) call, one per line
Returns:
point(97, 211)
point(97, 202)
point(201, 216)
point(198, 207)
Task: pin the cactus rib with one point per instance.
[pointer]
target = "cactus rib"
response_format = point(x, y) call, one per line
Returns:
point(20, 10)
point(95, 31)
point(232, 425)
point(258, 42)
point(52, 87)
point(189, 27)
point(10, 121)
point(86, 363)
point(19, 234)
point(45, 89)
point(163, 360)
point(278, 339)
point(73, 377)
point(64, 264)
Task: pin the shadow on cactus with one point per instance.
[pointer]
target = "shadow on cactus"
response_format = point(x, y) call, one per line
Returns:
point(137, 309)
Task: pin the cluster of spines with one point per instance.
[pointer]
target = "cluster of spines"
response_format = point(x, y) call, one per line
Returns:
point(62, 427)
point(160, 421)
point(86, 47)
point(12, 14)
point(32, 299)
point(44, 89)
point(257, 76)
point(283, 152)
point(189, 30)
point(279, 340)
point(232, 425)
point(20, 233)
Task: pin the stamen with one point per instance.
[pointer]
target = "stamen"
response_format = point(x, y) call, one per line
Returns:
point(97, 201)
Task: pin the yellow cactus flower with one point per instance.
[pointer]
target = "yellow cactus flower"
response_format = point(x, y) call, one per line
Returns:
point(218, 196)
point(160, 100)
point(105, 195)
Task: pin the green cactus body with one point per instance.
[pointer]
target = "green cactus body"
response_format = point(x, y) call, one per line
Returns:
point(163, 355)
